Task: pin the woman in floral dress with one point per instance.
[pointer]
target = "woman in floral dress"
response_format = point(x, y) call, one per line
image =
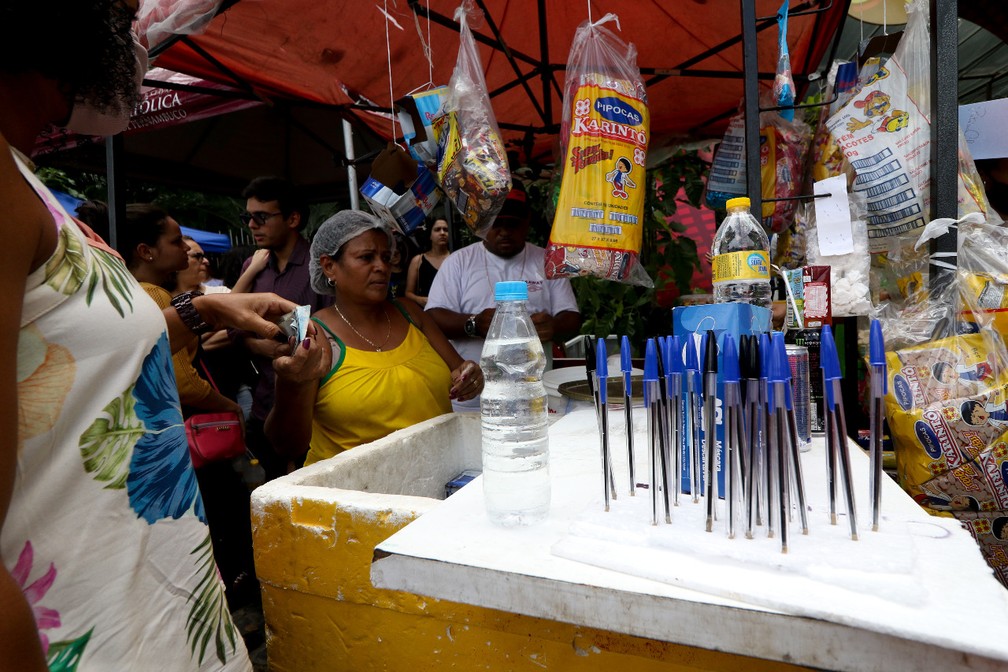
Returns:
point(106, 560)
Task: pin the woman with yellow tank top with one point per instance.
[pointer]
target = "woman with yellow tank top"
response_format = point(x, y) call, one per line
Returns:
point(374, 366)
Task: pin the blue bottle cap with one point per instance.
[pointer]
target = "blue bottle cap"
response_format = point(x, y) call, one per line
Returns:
point(730, 360)
point(511, 290)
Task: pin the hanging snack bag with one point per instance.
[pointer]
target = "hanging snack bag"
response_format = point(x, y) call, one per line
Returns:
point(599, 223)
point(885, 135)
point(472, 164)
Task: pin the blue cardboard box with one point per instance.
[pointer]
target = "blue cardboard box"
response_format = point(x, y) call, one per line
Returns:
point(737, 319)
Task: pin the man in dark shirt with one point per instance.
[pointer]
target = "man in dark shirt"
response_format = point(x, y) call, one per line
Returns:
point(275, 214)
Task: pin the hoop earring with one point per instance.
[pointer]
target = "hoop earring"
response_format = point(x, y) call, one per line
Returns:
point(329, 281)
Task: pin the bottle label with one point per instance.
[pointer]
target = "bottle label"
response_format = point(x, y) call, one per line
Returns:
point(734, 266)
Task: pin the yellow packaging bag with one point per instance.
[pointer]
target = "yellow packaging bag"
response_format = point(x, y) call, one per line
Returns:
point(598, 227)
point(945, 407)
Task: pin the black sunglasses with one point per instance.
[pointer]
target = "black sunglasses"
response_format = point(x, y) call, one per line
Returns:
point(259, 218)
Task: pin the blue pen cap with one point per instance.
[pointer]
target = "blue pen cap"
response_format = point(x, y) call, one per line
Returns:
point(692, 363)
point(778, 343)
point(830, 363)
point(601, 368)
point(675, 363)
point(876, 352)
point(765, 351)
point(660, 341)
point(778, 359)
point(511, 290)
point(828, 356)
point(650, 369)
point(650, 361)
point(730, 360)
point(624, 356)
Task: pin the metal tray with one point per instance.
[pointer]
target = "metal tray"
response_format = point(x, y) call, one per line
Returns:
point(578, 389)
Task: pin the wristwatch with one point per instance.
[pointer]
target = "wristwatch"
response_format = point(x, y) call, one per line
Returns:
point(470, 326)
point(190, 317)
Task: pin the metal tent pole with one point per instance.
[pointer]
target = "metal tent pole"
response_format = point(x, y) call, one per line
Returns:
point(348, 148)
point(944, 133)
point(116, 186)
point(750, 67)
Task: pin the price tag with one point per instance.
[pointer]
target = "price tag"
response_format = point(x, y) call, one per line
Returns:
point(833, 220)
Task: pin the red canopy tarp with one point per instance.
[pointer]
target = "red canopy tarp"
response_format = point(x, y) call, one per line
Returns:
point(689, 52)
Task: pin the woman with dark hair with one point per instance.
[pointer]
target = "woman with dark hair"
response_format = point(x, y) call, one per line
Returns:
point(152, 245)
point(106, 557)
point(423, 267)
point(388, 356)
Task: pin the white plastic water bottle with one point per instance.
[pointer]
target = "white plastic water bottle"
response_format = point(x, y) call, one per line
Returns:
point(516, 484)
point(741, 264)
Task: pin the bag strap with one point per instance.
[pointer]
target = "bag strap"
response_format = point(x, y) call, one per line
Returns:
point(202, 363)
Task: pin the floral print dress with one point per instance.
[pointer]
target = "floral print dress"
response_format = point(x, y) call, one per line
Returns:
point(106, 532)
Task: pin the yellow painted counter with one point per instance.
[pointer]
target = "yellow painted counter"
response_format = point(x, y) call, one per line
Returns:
point(315, 532)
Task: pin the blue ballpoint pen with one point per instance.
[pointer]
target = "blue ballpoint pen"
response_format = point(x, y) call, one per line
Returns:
point(674, 378)
point(749, 361)
point(734, 431)
point(830, 361)
point(766, 442)
point(664, 426)
point(693, 393)
point(653, 424)
point(602, 373)
point(710, 425)
point(879, 387)
point(777, 452)
point(626, 366)
point(794, 451)
point(590, 366)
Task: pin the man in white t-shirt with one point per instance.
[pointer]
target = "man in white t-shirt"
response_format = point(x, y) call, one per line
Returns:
point(461, 299)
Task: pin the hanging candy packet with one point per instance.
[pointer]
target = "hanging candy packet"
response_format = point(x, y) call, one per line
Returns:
point(472, 164)
point(599, 224)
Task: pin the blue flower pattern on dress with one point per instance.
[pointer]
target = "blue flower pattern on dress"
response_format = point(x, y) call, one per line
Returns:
point(161, 482)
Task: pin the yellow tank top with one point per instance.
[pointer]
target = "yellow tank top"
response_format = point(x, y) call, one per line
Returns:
point(369, 395)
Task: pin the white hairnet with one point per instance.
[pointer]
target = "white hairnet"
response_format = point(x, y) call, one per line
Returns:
point(336, 232)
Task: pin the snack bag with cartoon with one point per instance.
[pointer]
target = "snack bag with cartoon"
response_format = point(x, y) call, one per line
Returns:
point(885, 135)
point(472, 165)
point(599, 224)
point(947, 409)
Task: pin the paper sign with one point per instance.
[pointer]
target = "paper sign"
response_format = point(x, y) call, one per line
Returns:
point(983, 125)
point(833, 221)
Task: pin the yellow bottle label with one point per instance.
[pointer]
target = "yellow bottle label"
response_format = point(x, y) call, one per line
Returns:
point(748, 265)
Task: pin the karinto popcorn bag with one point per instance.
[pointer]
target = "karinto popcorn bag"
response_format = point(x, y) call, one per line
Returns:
point(599, 224)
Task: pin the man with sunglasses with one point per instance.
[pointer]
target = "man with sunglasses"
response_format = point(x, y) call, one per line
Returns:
point(275, 213)
point(461, 300)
